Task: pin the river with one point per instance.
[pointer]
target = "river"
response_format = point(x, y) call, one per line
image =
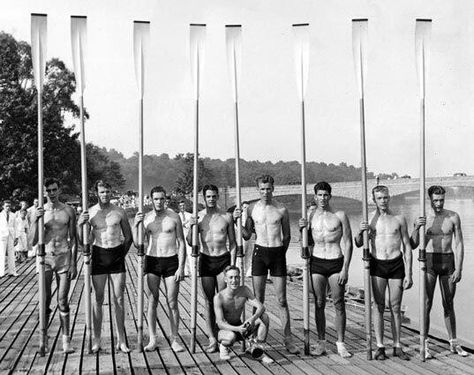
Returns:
point(458, 200)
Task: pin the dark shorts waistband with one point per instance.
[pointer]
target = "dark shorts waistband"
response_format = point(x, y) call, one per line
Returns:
point(107, 260)
point(161, 266)
point(388, 268)
point(211, 266)
point(326, 267)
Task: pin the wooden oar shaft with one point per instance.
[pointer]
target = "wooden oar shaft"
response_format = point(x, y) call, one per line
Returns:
point(141, 250)
point(195, 239)
point(422, 245)
point(366, 250)
point(304, 233)
point(41, 250)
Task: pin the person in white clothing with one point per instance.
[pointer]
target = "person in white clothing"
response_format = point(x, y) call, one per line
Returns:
point(185, 217)
point(22, 226)
point(8, 239)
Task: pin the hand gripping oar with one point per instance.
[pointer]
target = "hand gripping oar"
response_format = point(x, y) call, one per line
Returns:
point(141, 36)
point(233, 36)
point(301, 39)
point(422, 42)
point(38, 56)
point(359, 43)
point(78, 42)
point(197, 33)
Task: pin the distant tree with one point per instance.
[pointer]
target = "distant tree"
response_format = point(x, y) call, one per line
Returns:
point(184, 183)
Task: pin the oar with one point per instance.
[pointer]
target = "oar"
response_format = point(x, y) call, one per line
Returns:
point(38, 56)
point(78, 42)
point(301, 38)
point(197, 38)
point(359, 42)
point(233, 36)
point(141, 36)
point(422, 41)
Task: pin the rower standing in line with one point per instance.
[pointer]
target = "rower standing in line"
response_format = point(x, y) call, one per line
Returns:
point(271, 223)
point(165, 258)
point(61, 250)
point(328, 229)
point(108, 223)
point(216, 229)
point(389, 266)
point(443, 260)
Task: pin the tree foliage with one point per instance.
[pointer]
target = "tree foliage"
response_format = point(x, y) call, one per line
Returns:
point(18, 125)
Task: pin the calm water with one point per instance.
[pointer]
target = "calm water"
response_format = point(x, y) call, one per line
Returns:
point(409, 206)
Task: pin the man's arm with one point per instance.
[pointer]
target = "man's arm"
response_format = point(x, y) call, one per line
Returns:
point(72, 273)
point(231, 236)
point(458, 248)
point(181, 248)
point(254, 302)
point(248, 227)
point(415, 235)
point(126, 230)
point(33, 232)
point(285, 229)
point(220, 319)
point(347, 247)
point(407, 252)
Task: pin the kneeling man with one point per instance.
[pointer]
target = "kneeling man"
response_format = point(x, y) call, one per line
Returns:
point(229, 305)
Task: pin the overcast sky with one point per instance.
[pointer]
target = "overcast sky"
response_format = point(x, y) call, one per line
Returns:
point(269, 108)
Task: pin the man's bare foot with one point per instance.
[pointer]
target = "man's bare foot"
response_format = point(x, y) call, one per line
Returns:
point(96, 345)
point(152, 345)
point(212, 347)
point(122, 347)
point(67, 348)
point(176, 346)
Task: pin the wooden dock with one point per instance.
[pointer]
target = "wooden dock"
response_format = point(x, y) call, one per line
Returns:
point(19, 339)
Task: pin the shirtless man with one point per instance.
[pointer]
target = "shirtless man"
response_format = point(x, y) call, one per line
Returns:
point(270, 222)
point(107, 222)
point(327, 229)
point(215, 227)
point(442, 226)
point(388, 236)
point(229, 305)
point(165, 258)
point(61, 250)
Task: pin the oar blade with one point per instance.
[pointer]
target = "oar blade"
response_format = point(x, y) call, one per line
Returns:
point(233, 38)
point(359, 48)
point(422, 51)
point(79, 43)
point(141, 41)
point(38, 47)
point(197, 37)
point(301, 49)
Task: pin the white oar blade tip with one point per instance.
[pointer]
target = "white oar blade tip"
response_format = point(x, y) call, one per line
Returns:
point(301, 57)
point(141, 37)
point(359, 42)
point(233, 38)
point(78, 42)
point(300, 24)
point(422, 51)
point(230, 26)
point(38, 47)
point(197, 35)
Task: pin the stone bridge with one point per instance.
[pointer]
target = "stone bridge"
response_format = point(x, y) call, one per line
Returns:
point(350, 190)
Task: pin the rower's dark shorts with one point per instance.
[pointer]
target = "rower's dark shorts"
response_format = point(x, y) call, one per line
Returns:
point(326, 267)
point(388, 269)
point(271, 259)
point(440, 264)
point(106, 261)
point(211, 266)
point(161, 266)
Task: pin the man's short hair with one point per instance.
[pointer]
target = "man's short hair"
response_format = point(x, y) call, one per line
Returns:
point(6, 201)
point(103, 184)
point(231, 268)
point(378, 189)
point(322, 185)
point(246, 202)
point(51, 181)
point(436, 189)
point(158, 189)
point(264, 179)
point(182, 201)
point(211, 188)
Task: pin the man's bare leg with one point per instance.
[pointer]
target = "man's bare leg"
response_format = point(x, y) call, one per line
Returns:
point(262, 331)
point(118, 287)
point(395, 290)
point(172, 292)
point(98, 283)
point(153, 298)
point(48, 275)
point(209, 285)
point(319, 284)
point(378, 287)
point(63, 304)
point(430, 288)
point(279, 283)
point(337, 292)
